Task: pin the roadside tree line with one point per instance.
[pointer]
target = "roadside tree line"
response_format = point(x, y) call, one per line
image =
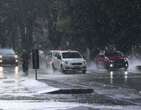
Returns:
point(74, 24)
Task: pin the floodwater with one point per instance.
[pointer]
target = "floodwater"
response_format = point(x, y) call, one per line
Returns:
point(10, 72)
point(33, 89)
point(122, 79)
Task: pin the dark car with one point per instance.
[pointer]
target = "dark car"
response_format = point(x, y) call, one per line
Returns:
point(8, 57)
point(112, 60)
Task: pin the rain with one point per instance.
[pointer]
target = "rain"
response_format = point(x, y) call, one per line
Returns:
point(70, 55)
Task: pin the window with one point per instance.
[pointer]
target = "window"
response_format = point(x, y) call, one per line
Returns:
point(71, 55)
point(114, 54)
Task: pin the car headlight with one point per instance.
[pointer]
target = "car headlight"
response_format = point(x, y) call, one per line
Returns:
point(16, 56)
point(0, 56)
point(0, 61)
point(111, 65)
point(126, 59)
point(126, 64)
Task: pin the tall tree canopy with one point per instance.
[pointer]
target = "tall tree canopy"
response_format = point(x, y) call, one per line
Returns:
point(70, 23)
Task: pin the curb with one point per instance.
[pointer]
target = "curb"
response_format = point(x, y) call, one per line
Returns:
point(71, 91)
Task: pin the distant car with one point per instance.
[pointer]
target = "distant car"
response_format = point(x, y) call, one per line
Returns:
point(112, 60)
point(8, 57)
point(66, 61)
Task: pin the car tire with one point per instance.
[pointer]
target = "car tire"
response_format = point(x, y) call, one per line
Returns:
point(84, 71)
point(62, 70)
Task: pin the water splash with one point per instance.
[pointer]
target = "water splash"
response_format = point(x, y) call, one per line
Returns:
point(133, 63)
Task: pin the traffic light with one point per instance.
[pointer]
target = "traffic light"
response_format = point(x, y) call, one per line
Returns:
point(35, 58)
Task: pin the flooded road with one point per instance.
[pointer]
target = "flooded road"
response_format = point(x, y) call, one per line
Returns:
point(10, 72)
point(113, 88)
point(121, 79)
point(115, 78)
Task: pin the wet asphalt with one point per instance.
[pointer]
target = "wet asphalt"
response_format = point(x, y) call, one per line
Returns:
point(116, 78)
point(116, 88)
point(130, 80)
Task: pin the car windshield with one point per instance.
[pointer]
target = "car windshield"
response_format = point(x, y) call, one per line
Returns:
point(114, 54)
point(7, 52)
point(71, 55)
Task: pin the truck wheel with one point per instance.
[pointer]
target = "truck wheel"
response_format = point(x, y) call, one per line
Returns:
point(84, 71)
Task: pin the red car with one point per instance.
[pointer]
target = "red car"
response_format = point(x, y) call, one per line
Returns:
point(111, 61)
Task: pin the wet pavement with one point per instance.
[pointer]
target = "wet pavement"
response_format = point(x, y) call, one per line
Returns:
point(110, 90)
point(113, 87)
point(50, 105)
point(122, 79)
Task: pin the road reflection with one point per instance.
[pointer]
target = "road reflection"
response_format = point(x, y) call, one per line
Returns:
point(111, 77)
point(118, 77)
point(8, 72)
point(17, 75)
point(125, 76)
point(1, 73)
